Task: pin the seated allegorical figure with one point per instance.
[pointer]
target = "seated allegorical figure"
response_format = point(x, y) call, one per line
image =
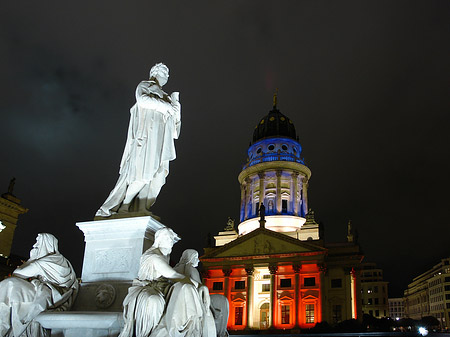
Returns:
point(145, 301)
point(188, 305)
point(46, 281)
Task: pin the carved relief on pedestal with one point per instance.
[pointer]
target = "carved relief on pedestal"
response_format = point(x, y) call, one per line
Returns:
point(112, 260)
point(105, 294)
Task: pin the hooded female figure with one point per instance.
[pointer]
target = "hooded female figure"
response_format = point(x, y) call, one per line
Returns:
point(187, 312)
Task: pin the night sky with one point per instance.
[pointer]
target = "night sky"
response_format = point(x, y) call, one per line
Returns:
point(365, 82)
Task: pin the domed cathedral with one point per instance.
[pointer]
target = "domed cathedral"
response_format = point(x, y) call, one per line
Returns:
point(275, 269)
point(276, 176)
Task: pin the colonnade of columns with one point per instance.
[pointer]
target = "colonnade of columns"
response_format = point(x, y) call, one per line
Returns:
point(297, 202)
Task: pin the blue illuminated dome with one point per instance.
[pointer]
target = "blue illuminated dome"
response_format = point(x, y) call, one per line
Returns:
point(274, 139)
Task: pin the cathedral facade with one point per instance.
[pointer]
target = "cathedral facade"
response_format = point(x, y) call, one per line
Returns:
point(275, 268)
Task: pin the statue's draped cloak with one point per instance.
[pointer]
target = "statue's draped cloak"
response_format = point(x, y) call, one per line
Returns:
point(151, 133)
point(54, 287)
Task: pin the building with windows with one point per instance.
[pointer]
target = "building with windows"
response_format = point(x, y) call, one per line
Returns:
point(429, 294)
point(374, 291)
point(396, 308)
point(274, 268)
point(10, 209)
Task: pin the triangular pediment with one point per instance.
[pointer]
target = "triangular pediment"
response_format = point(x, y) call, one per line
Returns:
point(263, 242)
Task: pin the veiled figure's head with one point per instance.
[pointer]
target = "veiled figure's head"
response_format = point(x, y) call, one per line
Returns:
point(160, 73)
point(190, 256)
point(45, 244)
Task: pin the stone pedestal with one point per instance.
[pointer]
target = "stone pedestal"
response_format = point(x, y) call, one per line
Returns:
point(111, 260)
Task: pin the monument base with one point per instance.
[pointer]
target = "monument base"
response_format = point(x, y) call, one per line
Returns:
point(111, 260)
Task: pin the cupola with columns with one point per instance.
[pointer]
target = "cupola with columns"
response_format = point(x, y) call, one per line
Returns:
point(275, 176)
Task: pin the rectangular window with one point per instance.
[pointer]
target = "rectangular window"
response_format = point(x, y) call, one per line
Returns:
point(266, 277)
point(239, 285)
point(376, 301)
point(337, 313)
point(284, 204)
point(447, 296)
point(447, 288)
point(285, 283)
point(336, 283)
point(369, 301)
point(285, 314)
point(375, 289)
point(217, 285)
point(309, 281)
point(377, 313)
point(447, 279)
point(309, 311)
point(238, 313)
point(266, 287)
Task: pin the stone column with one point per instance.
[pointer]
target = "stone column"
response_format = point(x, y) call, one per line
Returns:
point(297, 268)
point(249, 270)
point(305, 196)
point(261, 176)
point(247, 197)
point(226, 283)
point(273, 294)
point(243, 197)
point(294, 192)
point(278, 191)
point(323, 271)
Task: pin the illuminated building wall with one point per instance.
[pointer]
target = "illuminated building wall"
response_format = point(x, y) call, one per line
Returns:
point(275, 269)
point(429, 294)
point(374, 291)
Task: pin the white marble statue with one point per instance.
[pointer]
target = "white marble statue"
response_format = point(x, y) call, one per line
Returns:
point(45, 282)
point(145, 301)
point(187, 311)
point(155, 122)
point(220, 309)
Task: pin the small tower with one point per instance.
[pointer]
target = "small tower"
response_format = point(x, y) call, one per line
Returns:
point(275, 176)
point(10, 209)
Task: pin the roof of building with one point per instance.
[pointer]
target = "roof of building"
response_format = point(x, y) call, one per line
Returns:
point(274, 124)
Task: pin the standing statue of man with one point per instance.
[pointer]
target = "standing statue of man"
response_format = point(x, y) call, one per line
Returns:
point(155, 122)
point(45, 281)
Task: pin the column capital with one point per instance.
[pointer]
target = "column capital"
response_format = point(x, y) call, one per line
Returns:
point(249, 270)
point(322, 267)
point(297, 267)
point(226, 272)
point(261, 175)
point(273, 269)
point(278, 173)
point(295, 174)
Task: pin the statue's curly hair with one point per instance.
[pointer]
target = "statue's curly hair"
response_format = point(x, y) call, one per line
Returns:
point(158, 68)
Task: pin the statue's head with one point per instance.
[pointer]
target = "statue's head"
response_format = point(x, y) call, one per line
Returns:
point(160, 73)
point(190, 256)
point(45, 244)
point(165, 238)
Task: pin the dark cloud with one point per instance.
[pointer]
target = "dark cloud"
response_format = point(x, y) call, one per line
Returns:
point(366, 84)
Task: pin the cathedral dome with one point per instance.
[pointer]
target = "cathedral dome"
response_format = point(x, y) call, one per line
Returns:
point(274, 124)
